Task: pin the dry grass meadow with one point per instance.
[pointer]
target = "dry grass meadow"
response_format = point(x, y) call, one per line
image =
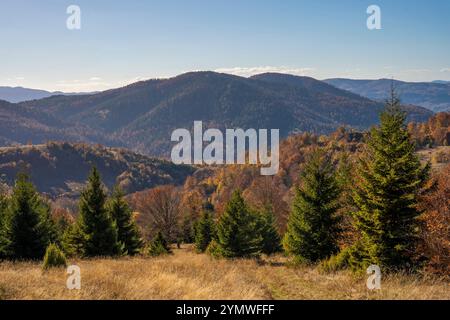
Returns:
point(187, 275)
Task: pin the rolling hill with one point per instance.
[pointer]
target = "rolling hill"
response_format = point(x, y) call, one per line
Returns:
point(61, 169)
point(143, 115)
point(431, 95)
point(20, 94)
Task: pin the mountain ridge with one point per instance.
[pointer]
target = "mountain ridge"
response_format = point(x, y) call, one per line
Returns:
point(19, 94)
point(434, 95)
point(61, 168)
point(142, 115)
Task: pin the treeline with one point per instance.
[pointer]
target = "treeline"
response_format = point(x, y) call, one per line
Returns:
point(104, 227)
point(382, 209)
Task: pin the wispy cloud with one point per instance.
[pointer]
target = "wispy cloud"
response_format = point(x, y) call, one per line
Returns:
point(251, 71)
point(445, 70)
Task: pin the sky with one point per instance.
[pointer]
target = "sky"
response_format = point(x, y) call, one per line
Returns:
point(121, 42)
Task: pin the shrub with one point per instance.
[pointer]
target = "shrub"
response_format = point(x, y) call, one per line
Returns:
point(213, 249)
point(54, 258)
point(159, 246)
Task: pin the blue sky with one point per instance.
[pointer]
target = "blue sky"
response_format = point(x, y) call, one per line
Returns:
point(124, 41)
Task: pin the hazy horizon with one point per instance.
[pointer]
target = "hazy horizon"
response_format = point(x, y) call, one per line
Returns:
point(169, 77)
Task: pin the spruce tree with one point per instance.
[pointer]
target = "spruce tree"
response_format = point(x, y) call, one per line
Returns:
point(127, 230)
point(204, 231)
point(4, 243)
point(159, 245)
point(54, 257)
point(73, 240)
point(98, 229)
point(390, 177)
point(271, 242)
point(28, 228)
point(313, 226)
point(238, 234)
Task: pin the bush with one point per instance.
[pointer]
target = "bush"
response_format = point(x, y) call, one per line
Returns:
point(159, 246)
point(336, 262)
point(54, 258)
point(353, 257)
point(213, 249)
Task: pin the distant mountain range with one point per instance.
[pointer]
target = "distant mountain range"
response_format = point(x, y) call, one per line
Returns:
point(61, 169)
point(19, 94)
point(431, 95)
point(441, 81)
point(143, 115)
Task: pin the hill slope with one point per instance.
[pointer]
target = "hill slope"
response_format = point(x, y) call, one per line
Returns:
point(431, 95)
point(62, 168)
point(20, 94)
point(143, 115)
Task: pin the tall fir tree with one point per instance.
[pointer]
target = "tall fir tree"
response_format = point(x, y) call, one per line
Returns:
point(271, 242)
point(3, 236)
point(238, 233)
point(313, 226)
point(97, 227)
point(204, 231)
point(27, 228)
point(128, 233)
point(390, 177)
point(73, 240)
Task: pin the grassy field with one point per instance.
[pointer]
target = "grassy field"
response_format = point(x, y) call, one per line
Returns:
point(186, 275)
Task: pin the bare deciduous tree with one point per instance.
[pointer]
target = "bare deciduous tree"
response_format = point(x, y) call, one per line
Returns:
point(160, 209)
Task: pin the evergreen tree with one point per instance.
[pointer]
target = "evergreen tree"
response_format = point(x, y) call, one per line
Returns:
point(4, 243)
point(48, 226)
point(204, 231)
point(73, 240)
point(271, 242)
point(313, 226)
point(54, 258)
point(187, 232)
point(28, 227)
point(159, 245)
point(128, 233)
point(390, 177)
point(238, 234)
point(99, 231)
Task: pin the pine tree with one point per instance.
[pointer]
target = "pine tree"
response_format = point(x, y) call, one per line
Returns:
point(4, 242)
point(271, 242)
point(159, 245)
point(54, 257)
point(390, 177)
point(204, 231)
point(98, 230)
point(28, 227)
point(73, 240)
point(128, 233)
point(237, 230)
point(187, 232)
point(313, 226)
